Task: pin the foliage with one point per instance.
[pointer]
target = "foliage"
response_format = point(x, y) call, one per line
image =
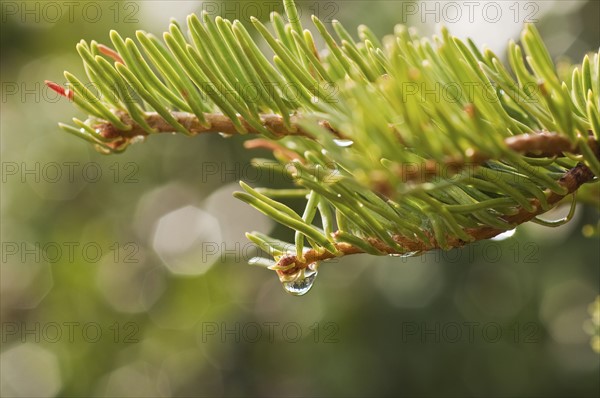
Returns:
point(399, 146)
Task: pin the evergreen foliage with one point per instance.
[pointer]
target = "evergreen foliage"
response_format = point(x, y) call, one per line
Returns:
point(399, 146)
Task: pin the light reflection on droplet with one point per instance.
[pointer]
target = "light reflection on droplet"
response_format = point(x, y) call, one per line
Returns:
point(137, 139)
point(548, 235)
point(343, 143)
point(405, 255)
point(504, 235)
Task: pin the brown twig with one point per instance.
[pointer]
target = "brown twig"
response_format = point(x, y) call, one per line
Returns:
point(543, 144)
point(539, 145)
point(218, 123)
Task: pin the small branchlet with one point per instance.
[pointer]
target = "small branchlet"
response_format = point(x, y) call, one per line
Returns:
point(385, 168)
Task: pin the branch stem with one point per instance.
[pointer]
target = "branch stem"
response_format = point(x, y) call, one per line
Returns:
point(572, 180)
point(217, 123)
point(543, 144)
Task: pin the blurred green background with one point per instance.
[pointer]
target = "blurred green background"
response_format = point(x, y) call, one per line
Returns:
point(127, 275)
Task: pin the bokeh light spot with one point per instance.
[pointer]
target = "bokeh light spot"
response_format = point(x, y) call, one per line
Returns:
point(188, 240)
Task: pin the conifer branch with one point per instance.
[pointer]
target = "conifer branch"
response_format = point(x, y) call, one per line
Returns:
point(535, 145)
point(383, 168)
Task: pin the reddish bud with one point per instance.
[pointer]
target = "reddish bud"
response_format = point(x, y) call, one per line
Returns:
point(109, 52)
point(287, 261)
point(59, 89)
point(471, 111)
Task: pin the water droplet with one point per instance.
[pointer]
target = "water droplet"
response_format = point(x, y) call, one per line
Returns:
point(302, 282)
point(225, 135)
point(405, 255)
point(343, 143)
point(137, 139)
point(504, 235)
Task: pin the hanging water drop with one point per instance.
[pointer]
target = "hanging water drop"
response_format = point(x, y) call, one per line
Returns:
point(225, 135)
point(405, 255)
point(302, 282)
point(557, 215)
point(137, 139)
point(504, 235)
point(343, 143)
